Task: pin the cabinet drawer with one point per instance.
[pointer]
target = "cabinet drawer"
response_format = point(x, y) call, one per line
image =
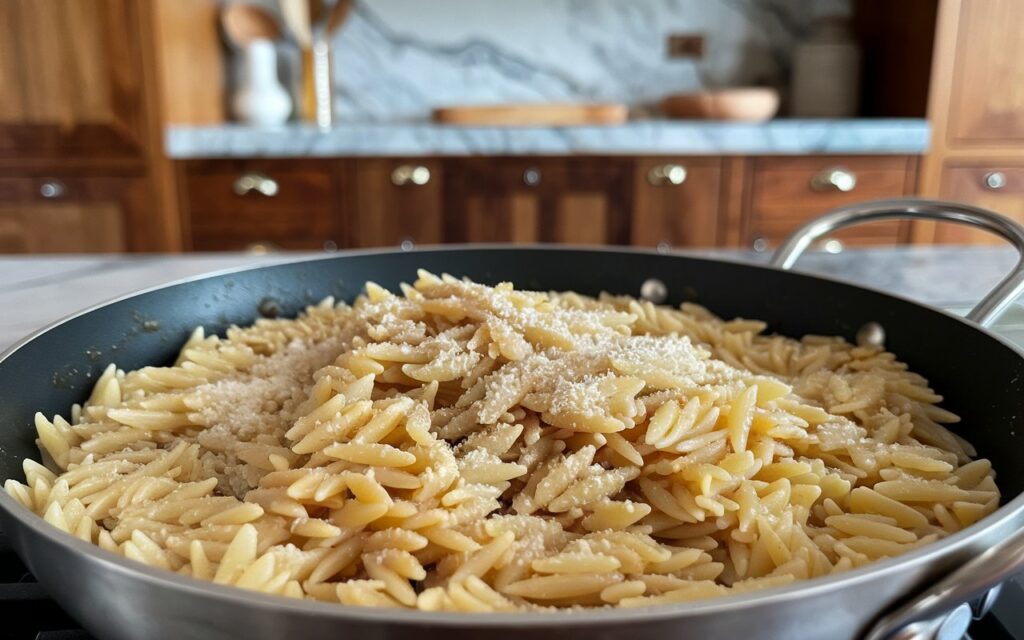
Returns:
point(799, 188)
point(676, 202)
point(264, 189)
point(999, 188)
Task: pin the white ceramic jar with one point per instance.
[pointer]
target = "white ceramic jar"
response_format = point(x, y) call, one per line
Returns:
point(261, 100)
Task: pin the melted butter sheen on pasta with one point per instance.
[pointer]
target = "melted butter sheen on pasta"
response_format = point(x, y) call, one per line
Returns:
point(468, 448)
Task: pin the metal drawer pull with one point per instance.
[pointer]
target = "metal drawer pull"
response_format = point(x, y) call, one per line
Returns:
point(531, 177)
point(837, 178)
point(674, 174)
point(985, 312)
point(53, 189)
point(406, 174)
point(995, 180)
point(257, 182)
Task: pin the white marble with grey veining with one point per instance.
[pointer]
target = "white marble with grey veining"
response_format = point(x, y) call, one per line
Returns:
point(35, 291)
point(678, 137)
point(397, 59)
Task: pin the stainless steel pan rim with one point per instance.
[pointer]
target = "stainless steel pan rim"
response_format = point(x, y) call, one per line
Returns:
point(1006, 515)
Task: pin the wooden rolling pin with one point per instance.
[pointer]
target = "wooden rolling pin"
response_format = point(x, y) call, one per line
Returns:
point(533, 115)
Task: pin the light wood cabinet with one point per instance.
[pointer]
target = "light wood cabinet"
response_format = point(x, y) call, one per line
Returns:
point(570, 200)
point(999, 188)
point(987, 102)
point(394, 201)
point(71, 79)
point(676, 202)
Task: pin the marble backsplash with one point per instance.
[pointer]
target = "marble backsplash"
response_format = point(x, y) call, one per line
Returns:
point(397, 59)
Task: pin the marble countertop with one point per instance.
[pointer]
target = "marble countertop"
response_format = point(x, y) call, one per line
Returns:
point(638, 137)
point(35, 291)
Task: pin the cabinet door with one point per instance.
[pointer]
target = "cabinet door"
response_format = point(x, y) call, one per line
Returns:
point(787, 192)
point(72, 214)
point(395, 202)
point(70, 79)
point(676, 202)
point(572, 200)
point(1000, 189)
point(987, 105)
point(239, 204)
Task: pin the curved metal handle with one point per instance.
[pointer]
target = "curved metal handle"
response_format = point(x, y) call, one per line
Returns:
point(406, 174)
point(257, 182)
point(673, 174)
point(990, 307)
point(925, 615)
point(838, 178)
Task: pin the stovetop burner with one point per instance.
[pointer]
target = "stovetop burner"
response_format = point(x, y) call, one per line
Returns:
point(27, 613)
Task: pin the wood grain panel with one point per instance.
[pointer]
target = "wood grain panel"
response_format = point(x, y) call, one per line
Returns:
point(684, 215)
point(968, 184)
point(187, 37)
point(988, 100)
point(72, 79)
point(384, 213)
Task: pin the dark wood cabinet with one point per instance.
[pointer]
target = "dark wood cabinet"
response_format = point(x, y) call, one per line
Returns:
point(676, 202)
point(393, 201)
point(568, 200)
point(286, 204)
point(784, 193)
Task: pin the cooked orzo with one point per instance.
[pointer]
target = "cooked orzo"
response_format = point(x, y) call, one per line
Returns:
point(467, 448)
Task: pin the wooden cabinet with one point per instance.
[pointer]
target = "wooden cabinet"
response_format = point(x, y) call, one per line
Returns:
point(987, 104)
point(676, 202)
point(999, 188)
point(570, 200)
point(786, 192)
point(71, 79)
point(394, 201)
point(72, 214)
point(288, 204)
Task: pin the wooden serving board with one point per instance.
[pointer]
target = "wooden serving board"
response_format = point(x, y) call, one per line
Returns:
point(533, 115)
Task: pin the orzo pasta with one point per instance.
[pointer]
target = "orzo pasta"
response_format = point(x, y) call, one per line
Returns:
point(468, 448)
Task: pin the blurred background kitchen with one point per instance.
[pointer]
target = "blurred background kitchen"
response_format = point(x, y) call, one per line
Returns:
point(197, 125)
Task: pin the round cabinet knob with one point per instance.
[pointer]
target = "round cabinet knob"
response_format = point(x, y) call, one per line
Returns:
point(531, 177)
point(53, 189)
point(407, 244)
point(834, 178)
point(673, 174)
point(260, 247)
point(410, 174)
point(995, 180)
point(664, 247)
point(832, 246)
point(759, 245)
point(261, 184)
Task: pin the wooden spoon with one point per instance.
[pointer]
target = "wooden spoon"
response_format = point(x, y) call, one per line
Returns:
point(297, 15)
point(244, 23)
point(339, 14)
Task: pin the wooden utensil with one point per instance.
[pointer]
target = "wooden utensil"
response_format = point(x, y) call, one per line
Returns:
point(746, 104)
point(339, 14)
point(532, 115)
point(297, 15)
point(244, 23)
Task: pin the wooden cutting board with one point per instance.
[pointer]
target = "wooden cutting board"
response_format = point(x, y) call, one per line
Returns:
point(533, 115)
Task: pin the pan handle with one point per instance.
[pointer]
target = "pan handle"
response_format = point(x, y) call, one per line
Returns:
point(940, 611)
point(990, 307)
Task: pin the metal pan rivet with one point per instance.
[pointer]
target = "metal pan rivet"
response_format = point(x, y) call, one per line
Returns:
point(654, 290)
point(871, 334)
